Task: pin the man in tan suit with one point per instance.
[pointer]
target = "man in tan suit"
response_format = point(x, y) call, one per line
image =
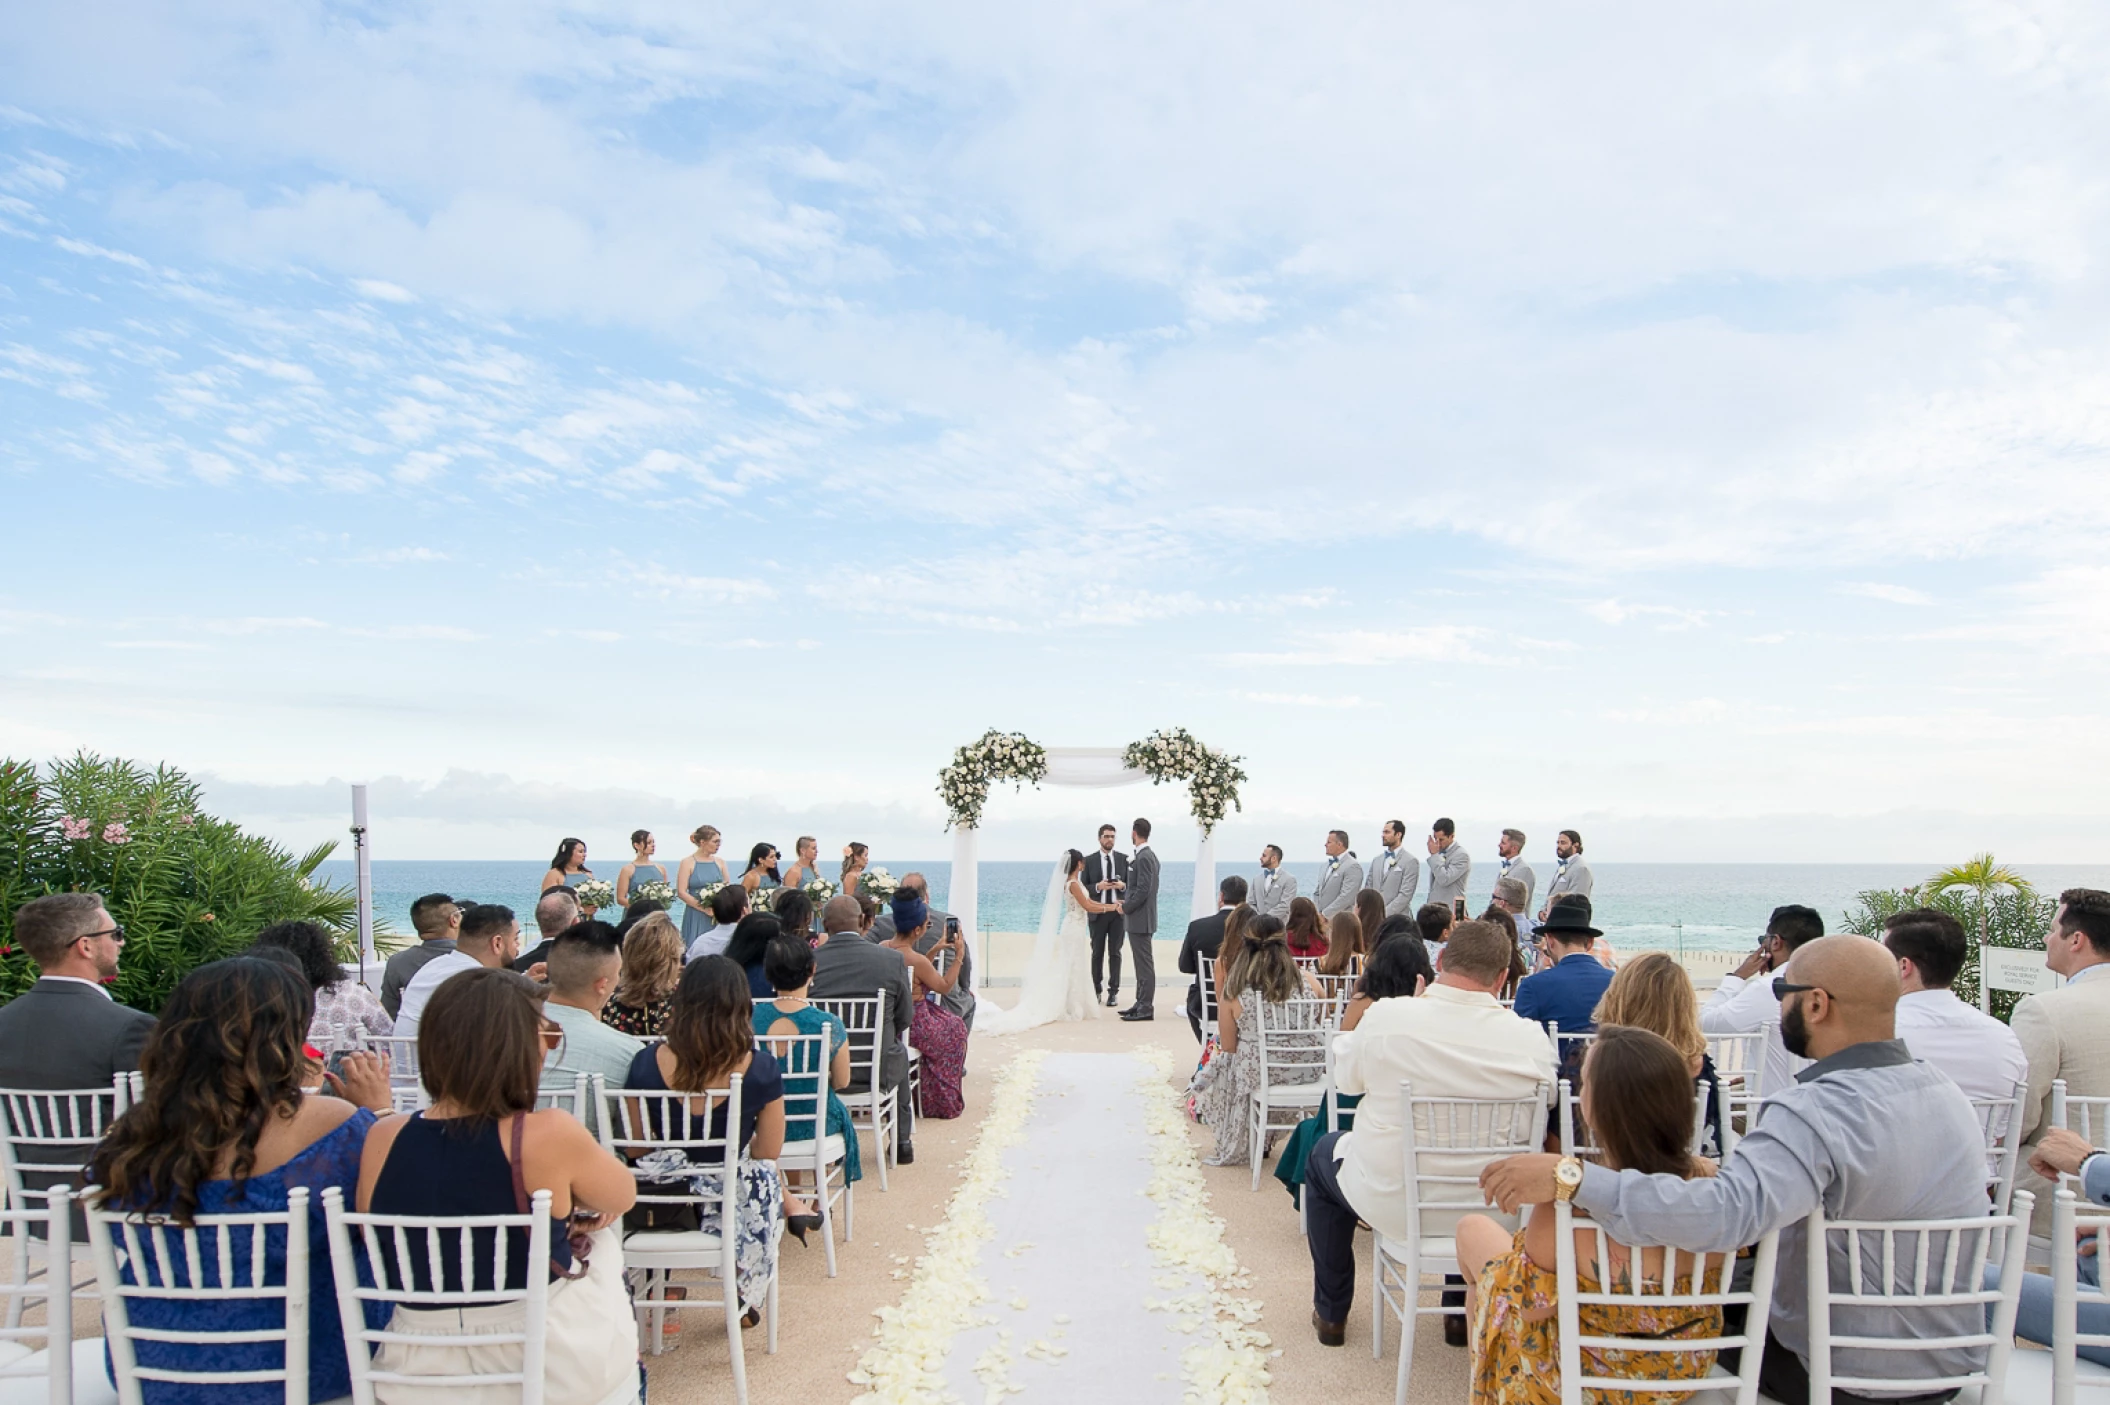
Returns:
point(2066, 1032)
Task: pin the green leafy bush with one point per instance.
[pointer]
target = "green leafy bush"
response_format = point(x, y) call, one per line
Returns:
point(2013, 919)
point(187, 888)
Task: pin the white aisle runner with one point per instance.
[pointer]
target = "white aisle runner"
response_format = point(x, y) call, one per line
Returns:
point(1070, 1273)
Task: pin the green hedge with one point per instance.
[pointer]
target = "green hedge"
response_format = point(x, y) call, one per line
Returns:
point(2018, 920)
point(187, 887)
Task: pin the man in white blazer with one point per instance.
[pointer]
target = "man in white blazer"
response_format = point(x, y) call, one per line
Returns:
point(1275, 890)
point(1394, 873)
point(1449, 865)
point(1343, 877)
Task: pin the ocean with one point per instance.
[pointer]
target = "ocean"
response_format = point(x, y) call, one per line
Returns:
point(1640, 906)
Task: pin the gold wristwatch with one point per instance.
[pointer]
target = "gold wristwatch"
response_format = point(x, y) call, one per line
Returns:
point(1567, 1178)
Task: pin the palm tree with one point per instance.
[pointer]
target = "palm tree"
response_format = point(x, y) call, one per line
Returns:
point(1984, 876)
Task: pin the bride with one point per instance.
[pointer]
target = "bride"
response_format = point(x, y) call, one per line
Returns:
point(1058, 977)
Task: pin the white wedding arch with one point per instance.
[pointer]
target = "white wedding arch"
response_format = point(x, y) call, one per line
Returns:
point(1212, 778)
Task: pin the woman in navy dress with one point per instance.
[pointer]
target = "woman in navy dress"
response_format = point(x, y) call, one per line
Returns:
point(697, 872)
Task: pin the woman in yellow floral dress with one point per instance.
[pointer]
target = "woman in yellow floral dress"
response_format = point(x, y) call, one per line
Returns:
point(1637, 1097)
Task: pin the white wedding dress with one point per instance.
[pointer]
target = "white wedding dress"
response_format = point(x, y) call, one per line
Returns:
point(1058, 977)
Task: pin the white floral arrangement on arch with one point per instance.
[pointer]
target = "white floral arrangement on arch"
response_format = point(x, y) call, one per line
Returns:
point(994, 756)
point(1212, 777)
point(878, 885)
point(595, 893)
point(656, 890)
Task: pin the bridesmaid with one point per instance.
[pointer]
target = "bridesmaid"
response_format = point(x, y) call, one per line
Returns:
point(807, 865)
point(761, 874)
point(856, 859)
point(697, 872)
point(568, 869)
point(640, 869)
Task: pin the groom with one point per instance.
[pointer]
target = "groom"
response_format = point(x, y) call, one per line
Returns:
point(1105, 876)
point(1139, 909)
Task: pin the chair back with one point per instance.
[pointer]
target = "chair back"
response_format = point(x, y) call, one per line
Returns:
point(804, 1061)
point(864, 1017)
point(1739, 1060)
point(1337, 990)
point(401, 1051)
point(574, 1095)
point(1578, 1140)
point(50, 1134)
point(1448, 1141)
point(435, 1243)
point(44, 1213)
point(2000, 1121)
point(2068, 1294)
point(2090, 1117)
point(1294, 1035)
point(1208, 980)
point(1705, 1280)
point(704, 1128)
point(1878, 1268)
point(217, 1259)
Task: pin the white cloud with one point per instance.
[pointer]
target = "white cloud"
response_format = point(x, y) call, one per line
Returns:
point(1895, 594)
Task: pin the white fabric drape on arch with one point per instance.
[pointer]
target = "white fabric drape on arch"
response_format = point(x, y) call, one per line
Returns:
point(1086, 767)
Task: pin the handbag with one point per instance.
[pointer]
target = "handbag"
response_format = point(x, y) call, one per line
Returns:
point(658, 1217)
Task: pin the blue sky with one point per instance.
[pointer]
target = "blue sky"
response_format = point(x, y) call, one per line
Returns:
point(1691, 427)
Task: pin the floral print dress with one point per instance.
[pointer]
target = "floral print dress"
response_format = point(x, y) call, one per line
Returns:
point(1517, 1353)
point(1222, 1103)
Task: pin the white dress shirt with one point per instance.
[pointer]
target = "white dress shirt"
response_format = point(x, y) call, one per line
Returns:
point(1981, 1055)
point(711, 943)
point(97, 986)
point(426, 981)
point(1741, 1006)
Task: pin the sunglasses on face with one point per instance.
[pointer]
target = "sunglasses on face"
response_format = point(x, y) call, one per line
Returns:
point(1783, 988)
point(115, 932)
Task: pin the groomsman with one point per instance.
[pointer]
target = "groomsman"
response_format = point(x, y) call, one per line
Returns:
point(1511, 851)
point(1343, 877)
point(1570, 873)
point(1394, 875)
point(1105, 876)
point(1449, 865)
point(1275, 891)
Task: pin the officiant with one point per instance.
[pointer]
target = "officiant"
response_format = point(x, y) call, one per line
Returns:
point(1106, 878)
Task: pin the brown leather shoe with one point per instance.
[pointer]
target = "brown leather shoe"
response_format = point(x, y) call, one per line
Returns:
point(1454, 1329)
point(1330, 1333)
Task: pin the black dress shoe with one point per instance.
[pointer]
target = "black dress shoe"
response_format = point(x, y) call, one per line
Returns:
point(1330, 1333)
point(904, 1155)
point(1454, 1330)
point(1113, 998)
point(1137, 1012)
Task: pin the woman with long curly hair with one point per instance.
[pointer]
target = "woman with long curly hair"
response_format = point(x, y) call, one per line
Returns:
point(224, 1128)
point(711, 1037)
point(346, 1012)
point(651, 969)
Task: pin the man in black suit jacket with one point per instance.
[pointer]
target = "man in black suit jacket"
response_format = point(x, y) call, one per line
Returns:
point(65, 1031)
point(1105, 878)
point(1205, 937)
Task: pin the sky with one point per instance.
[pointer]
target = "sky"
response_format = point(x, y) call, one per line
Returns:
point(1684, 424)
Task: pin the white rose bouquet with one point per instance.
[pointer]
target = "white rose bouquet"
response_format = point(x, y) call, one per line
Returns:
point(657, 891)
point(818, 889)
point(878, 885)
point(595, 893)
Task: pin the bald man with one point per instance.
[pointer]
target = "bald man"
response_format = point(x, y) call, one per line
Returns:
point(1863, 1131)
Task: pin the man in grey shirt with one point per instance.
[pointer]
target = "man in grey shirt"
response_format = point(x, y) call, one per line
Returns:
point(437, 920)
point(1864, 1131)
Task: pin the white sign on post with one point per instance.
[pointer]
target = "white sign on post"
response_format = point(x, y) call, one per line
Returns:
point(2025, 971)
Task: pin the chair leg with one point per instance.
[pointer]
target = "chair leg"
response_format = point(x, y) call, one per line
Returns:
point(770, 1311)
point(882, 1148)
point(820, 1180)
point(1406, 1343)
point(1377, 1303)
point(732, 1330)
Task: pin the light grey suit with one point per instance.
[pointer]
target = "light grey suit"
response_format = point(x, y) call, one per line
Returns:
point(1448, 871)
point(1139, 911)
point(1574, 878)
point(1394, 875)
point(1273, 901)
point(1521, 871)
point(1338, 885)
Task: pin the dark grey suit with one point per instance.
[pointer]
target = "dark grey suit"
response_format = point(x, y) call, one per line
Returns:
point(67, 1034)
point(1205, 937)
point(1105, 927)
point(848, 965)
point(1139, 911)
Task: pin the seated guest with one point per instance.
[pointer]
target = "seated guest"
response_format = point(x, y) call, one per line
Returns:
point(1637, 1094)
point(584, 966)
point(1205, 937)
point(478, 1150)
point(651, 969)
point(556, 912)
point(1512, 897)
point(1866, 1132)
point(750, 943)
point(1565, 995)
point(2066, 1153)
point(1981, 1055)
point(848, 965)
point(2066, 1032)
point(939, 1035)
point(867, 914)
point(711, 1037)
point(728, 906)
point(794, 912)
point(346, 1012)
point(1304, 933)
point(1652, 992)
point(1743, 1003)
point(436, 919)
point(638, 911)
point(1499, 916)
point(224, 1128)
point(1370, 914)
point(1434, 922)
point(1265, 975)
point(1399, 924)
point(1399, 971)
point(1236, 923)
point(1344, 944)
point(789, 963)
point(960, 999)
point(1455, 1042)
point(490, 938)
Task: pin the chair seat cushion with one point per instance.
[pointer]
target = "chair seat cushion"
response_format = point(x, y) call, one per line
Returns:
point(1443, 1251)
point(1295, 1095)
point(91, 1385)
point(642, 1245)
point(2029, 1375)
point(801, 1153)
